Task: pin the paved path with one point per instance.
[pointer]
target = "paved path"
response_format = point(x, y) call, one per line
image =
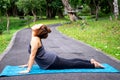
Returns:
point(63, 46)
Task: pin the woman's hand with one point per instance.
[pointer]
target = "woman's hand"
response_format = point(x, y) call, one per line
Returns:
point(24, 66)
point(24, 72)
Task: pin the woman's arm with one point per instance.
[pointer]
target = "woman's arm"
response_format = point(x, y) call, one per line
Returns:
point(34, 47)
point(23, 66)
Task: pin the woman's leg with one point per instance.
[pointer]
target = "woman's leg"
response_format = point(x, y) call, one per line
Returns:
point(77, 59)
point(61, 63)
point(80, 63)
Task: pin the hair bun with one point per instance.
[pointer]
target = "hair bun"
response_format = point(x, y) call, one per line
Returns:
point(48, 29)
point(44, 30)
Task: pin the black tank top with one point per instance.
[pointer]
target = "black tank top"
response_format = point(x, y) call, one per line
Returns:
point(43, 58)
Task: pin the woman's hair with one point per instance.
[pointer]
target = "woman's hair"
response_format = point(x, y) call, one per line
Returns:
point(43, 32)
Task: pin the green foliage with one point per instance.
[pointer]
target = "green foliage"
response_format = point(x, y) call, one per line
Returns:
point(103, 34)
point(119, 6)
point(28, 20)
point(4, 6)
point(85, 10)
point(2, 24)
point(39, 6)
point(106, 6)
point(29, 5)
point(1, 28)
point(24, 5)
point(4, 40)
point(55, 4)
point(102, 14)
point(75, 3)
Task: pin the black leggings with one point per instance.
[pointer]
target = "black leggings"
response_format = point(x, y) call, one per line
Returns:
point(61, 63)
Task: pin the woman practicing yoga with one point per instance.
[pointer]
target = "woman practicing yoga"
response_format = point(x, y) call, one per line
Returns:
point(48, 60)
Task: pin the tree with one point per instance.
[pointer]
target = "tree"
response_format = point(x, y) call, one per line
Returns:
point(116, 10)
point(75, 3)
point(23, 5)
point(30, 6)
point(54, 7)
point(96, 4)
point(36, 5)
point(13, 8)
point(70, 11)
point(110, 6)
point(4, 7)
point(1, 25)
point(50, 9)
point(60, 8)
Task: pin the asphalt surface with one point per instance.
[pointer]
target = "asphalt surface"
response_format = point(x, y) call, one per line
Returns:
point(17, 54)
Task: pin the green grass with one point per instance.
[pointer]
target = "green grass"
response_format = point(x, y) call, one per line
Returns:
point(103, 34)
point(17, 24)
point(4, 41)
point(48, 21)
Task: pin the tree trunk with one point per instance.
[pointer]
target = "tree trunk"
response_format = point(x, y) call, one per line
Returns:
point(116, 10)
point(8, 22)
point(35, 17)
point(50, 11)
point(92, 8)
point(14, 11)
point(96, 4)
point(111, 6)
point(96, 15)
point(70, 11)
point(60, 13)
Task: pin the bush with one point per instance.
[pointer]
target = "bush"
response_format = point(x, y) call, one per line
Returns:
point(1, 29)
point(101, 14)
point(85, 11)
point(1, 26)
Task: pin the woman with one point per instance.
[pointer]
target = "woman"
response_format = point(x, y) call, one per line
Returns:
point(47, 60)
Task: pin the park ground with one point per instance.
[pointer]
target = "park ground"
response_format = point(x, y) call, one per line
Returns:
point(17, 54)
point(102, 34)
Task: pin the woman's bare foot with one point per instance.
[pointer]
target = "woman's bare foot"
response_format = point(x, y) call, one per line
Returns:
point(97, 64)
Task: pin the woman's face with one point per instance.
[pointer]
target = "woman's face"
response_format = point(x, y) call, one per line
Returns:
point(40, 30)
point(36, 29)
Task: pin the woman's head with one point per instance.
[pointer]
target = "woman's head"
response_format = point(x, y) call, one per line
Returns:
point(41, 30)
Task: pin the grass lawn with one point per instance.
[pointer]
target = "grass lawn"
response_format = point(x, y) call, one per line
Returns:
point(17, 24)
point(102, 34)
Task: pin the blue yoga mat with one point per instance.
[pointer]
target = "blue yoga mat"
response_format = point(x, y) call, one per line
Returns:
point(13, 70)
